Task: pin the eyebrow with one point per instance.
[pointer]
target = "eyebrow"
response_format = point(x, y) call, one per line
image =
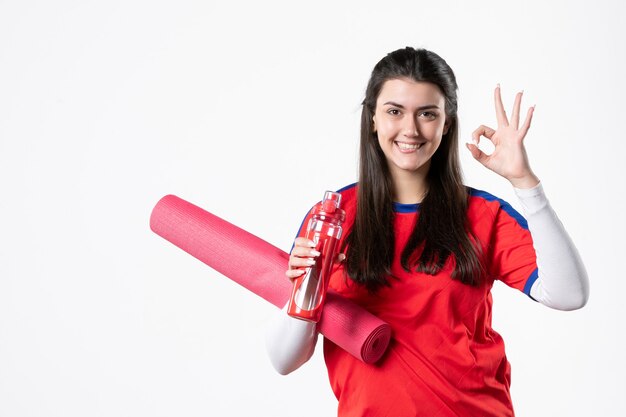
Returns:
point(428, 106)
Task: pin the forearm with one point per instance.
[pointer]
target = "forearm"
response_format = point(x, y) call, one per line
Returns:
point(290, 342)
point(562, 281)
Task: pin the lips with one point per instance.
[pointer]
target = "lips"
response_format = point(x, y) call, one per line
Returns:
point(409, 146)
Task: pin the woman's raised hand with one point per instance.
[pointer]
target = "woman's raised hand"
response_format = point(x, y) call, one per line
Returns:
point(508, 158)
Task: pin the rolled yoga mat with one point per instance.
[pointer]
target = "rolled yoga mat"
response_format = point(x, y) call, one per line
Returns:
point(260, 267)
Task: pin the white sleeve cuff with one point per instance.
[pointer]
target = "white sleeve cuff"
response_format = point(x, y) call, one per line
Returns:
point(532, 199)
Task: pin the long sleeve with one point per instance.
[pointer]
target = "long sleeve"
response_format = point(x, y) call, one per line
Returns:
point(290, 342)
point(562, 281)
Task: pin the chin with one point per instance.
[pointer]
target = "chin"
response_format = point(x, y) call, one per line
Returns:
point(410, 168)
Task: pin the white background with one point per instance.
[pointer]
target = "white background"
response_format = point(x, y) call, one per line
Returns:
point(251, 110)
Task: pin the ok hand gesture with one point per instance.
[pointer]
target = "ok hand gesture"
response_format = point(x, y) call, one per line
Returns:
point(509, 158)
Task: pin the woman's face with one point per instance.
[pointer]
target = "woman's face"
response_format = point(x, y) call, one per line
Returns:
point(410, 121)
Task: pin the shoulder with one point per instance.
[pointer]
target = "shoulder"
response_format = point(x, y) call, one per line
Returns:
point(348, 201)
point(348, 195)
point(348, 191)
point(480, 200)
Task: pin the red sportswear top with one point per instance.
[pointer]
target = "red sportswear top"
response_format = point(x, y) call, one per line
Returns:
point(444, 358)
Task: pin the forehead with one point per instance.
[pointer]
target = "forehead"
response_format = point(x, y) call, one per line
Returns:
point(410, 93)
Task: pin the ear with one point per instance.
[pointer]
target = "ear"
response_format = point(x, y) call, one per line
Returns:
point(373, 124)
point(446, 126)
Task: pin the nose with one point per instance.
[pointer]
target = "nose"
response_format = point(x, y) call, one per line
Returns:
point(410, 128)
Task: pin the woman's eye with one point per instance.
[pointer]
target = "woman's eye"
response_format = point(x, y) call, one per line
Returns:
point(393, 112)
point(429, 115)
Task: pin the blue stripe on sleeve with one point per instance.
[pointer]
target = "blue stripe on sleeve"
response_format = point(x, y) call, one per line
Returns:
point(346, 187)
point(505, 206)
point(529, 283)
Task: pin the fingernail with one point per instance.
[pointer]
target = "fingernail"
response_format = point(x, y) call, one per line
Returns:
point(311, 243)
point(315, 253)
point(310, 261)
point(498, 85)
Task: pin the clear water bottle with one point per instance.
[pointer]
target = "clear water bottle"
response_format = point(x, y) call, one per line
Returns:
point(309, 289)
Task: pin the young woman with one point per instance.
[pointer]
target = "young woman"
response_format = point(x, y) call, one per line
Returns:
point(422, 252)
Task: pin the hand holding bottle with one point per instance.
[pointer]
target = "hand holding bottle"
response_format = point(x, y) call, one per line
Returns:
point(313, 257)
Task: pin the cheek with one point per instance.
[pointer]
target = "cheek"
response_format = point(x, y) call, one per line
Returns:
point(385, 129)
point(437, 144)
point(385, 146)
point(382, 142)
point(436, 131)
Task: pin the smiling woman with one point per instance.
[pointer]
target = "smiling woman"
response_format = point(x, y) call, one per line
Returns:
point(422, 252)
point(409, 121)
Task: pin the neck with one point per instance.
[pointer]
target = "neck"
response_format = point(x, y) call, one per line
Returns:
point(409, 187)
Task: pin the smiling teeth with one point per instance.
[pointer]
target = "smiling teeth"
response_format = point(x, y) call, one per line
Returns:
point(408, 146)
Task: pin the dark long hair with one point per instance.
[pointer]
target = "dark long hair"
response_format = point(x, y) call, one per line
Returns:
point(442, 229)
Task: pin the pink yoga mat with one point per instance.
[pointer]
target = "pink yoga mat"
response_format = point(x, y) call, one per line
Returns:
point(260, 267)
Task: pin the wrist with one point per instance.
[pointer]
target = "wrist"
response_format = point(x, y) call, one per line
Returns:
point(525, 182)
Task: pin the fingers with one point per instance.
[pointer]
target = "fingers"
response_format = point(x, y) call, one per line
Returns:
point(516, 108)
point(478, 155)
point(500, 113)
point(482, 130)
point(294, 273)
point(529, 117)
point(303, 256)
point(303, 241)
